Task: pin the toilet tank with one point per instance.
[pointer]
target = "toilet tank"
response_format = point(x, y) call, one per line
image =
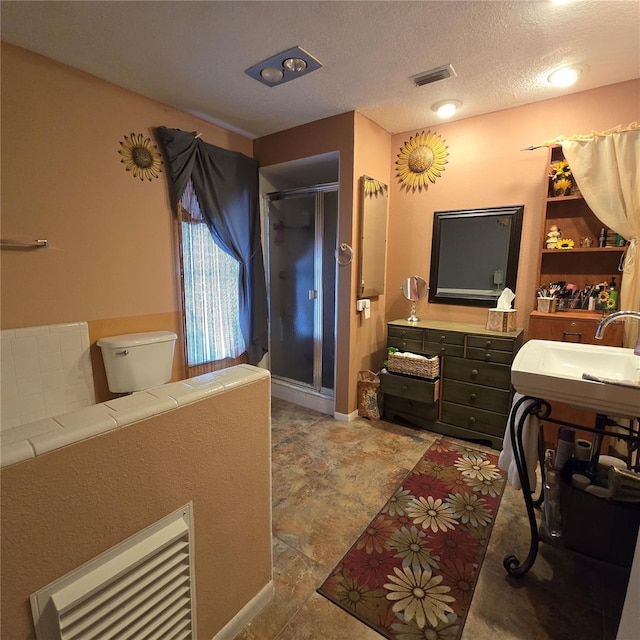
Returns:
point(137, 361)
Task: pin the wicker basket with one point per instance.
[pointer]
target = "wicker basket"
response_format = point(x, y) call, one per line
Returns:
point(414, 365)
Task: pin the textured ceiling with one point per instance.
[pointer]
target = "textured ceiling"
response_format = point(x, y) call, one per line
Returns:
point(192, 55)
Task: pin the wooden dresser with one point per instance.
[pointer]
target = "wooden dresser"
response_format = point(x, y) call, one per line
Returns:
point(472, 398)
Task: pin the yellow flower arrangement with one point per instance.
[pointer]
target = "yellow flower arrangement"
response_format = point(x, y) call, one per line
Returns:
point(559, 170)
point(561, 178)
point(565, 243)
point(562, 186)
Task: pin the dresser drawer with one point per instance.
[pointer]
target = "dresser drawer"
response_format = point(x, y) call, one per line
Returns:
point(565, 327)
point(474, 419)
point(443, 337)
point(486, 355)
point(441, 349)
point(484, 373)
point(490, 344)
point(473, 395)
point(424, 391)
point(406, 344)
point(419, 413)
point(406, 333)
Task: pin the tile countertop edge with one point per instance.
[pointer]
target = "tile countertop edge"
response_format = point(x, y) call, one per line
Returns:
point(123, 411)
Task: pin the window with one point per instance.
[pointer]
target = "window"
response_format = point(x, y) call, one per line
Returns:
point(210, 290)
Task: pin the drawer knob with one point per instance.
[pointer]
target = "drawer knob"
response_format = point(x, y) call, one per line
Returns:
point(443, 349)
point(487, 356)
point(474, 373)
point(472, 421)
point(488, 345)
point(404, 387)
point(443, 338)
point(473, 397)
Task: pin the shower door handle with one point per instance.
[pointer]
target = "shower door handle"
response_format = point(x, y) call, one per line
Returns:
point(313, 294)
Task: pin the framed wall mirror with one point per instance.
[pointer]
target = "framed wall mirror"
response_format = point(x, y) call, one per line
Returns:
point(474, 255)
point(373, 236)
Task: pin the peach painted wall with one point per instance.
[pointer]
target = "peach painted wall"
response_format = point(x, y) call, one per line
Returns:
point(111, 259)
point(372, 146)
point(487, 168)
point(64, 508)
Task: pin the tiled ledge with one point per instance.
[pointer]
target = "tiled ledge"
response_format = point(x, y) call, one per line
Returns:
point(42, 436)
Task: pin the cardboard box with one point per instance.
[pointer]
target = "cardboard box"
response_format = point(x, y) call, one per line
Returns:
point(501, 320)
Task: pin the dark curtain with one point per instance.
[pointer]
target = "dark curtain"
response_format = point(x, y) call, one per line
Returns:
point(226, 185)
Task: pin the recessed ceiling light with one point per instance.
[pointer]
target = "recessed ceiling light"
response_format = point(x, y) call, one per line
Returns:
point(446, 108)
point(296, 65)
point(565, 76)
point(284, 66)
point(271, 74)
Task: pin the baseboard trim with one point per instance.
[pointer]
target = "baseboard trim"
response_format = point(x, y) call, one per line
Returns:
point(246, 614)
point(345, 417)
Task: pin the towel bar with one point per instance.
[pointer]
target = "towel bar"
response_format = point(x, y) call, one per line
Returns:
point(23, 244)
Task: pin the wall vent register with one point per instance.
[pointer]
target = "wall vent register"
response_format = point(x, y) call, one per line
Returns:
point(142, 587)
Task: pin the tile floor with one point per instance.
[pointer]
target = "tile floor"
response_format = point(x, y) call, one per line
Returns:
point(322, 467)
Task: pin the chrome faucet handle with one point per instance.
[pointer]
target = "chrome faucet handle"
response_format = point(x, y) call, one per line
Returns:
point(615, 316)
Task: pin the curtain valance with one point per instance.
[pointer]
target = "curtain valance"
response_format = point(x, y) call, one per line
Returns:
point(606, 168)
point(226, 185)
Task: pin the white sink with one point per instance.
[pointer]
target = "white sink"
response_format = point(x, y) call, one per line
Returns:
point(553, 371)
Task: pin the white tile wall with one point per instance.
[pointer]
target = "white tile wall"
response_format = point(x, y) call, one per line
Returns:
point(43, 435)
point(44, 371)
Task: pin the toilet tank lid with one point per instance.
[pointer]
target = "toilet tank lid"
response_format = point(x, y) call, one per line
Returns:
point(136, 339)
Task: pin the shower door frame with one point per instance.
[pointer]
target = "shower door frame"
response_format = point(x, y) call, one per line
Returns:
point(318, 334)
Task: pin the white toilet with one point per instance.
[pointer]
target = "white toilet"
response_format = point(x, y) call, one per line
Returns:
point(137, 361)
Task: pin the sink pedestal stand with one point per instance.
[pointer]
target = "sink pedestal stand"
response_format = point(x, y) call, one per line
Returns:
point(524, 408)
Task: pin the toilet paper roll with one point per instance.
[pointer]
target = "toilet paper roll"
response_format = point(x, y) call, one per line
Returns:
point(582, 449)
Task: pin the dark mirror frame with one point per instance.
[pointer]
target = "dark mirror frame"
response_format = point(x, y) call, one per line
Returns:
point(481, 298)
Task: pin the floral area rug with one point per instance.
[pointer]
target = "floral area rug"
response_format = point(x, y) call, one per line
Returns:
point(412, 572)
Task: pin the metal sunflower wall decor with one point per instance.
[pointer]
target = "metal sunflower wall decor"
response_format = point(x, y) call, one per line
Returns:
point(421, 160)
point(140, 156)
point(372, 187)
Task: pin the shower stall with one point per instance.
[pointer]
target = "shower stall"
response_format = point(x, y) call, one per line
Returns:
point(301, 234)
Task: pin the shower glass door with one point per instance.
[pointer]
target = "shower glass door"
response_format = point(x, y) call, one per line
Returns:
point(301, 288)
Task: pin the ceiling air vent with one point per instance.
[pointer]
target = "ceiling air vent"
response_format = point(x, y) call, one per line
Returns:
point(435, 75)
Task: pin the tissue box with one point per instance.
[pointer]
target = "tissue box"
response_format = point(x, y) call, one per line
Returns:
point(501, 320)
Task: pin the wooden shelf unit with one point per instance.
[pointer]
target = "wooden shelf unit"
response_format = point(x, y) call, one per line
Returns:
point(580, 266)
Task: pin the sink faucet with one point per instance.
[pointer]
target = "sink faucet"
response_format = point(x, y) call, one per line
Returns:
point(614, 316)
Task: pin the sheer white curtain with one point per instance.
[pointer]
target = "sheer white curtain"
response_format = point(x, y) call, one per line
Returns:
point(606, 167)
point(210, 281)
